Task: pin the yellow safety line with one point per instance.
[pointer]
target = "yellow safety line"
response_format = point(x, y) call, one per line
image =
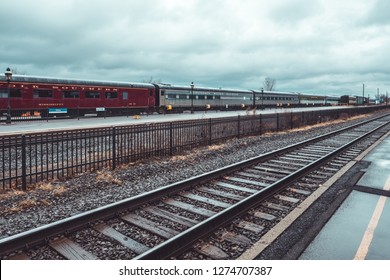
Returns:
point(369, 234)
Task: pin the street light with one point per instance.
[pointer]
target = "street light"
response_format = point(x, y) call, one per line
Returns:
point(192, 97)
point(254, 100)
point(8, 76)
point(262, 98)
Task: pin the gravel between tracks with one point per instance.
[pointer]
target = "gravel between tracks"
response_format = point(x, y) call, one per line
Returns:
point(51, 201)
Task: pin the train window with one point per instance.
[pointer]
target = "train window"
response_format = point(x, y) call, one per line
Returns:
point(3, 93)
point(71, 94)
point(92, 94)
point(14, 93)
point(42, 93)
point(125, 95)
point(111, 94)
point(201, 97)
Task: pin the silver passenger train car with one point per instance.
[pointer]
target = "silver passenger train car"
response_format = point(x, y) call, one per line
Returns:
point(180, 98)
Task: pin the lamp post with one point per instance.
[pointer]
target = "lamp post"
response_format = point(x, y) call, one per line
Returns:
point(377, 95)
point(8, 76)
point(192, 97)
point(254, 100)
point(262, 98)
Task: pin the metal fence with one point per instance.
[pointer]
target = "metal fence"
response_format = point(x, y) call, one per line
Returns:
point(36, 157)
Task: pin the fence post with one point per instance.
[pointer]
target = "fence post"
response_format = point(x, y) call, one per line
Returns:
point(113, 148)
point(24, 165)
point(313, 120)
point(261, 124)
point(171, 139)
point(210, 131)
point(238, 126)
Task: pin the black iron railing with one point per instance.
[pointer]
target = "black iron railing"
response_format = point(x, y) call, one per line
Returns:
point(35, 157)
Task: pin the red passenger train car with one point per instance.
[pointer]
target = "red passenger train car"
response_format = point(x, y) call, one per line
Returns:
point(38, 96)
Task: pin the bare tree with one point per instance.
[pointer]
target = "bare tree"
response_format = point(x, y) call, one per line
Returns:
point(269, 84)
point(151, 80)
point(16, 71)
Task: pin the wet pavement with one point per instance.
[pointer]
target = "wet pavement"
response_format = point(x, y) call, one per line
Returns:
point(360, 228)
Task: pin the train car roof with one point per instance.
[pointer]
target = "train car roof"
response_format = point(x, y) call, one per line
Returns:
point(197, 88)
point(51, 80)
point(276, 92)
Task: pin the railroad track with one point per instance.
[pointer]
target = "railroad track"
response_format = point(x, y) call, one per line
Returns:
point(217, 215)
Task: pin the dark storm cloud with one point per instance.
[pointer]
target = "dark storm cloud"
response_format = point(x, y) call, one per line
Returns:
point(305, 45)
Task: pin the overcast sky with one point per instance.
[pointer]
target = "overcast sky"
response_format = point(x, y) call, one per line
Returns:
point(319, 46)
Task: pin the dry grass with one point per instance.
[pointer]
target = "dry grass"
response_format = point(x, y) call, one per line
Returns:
point(107, 177)
point(10, 193)
point(45, 187)
point(22, 205)
point(216, 147)
point(58, 191)
point(195, 153)
point(45, 202)
point(27, 204)
point(23, 201)
point(308, 127)
point(181, 157)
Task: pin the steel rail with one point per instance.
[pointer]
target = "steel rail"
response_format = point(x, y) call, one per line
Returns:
point(43, 233)
point(187, 238)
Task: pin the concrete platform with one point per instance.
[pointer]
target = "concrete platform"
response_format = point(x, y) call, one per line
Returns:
point(360, 228)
